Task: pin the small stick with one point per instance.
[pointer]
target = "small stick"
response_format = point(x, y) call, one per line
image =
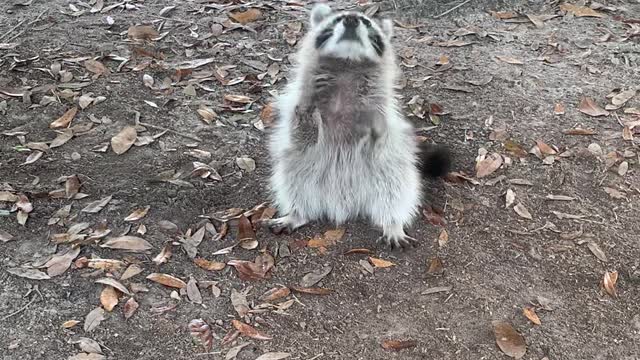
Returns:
point(171, 131)
point(11, 30)
point(33, 299)
point(452, 9)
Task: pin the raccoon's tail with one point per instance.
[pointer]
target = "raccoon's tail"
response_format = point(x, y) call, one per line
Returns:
point(433, 161)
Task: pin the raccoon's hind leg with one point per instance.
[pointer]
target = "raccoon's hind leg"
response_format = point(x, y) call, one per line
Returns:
point(286, 224)
point(394, 236)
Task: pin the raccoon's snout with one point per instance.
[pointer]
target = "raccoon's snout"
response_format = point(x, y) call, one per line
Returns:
point(350, 22)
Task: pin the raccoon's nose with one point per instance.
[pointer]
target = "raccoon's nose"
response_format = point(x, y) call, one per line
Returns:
point(350, 22)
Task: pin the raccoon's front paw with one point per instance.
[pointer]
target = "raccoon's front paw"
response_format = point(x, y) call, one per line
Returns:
point(284, 225)
point(395, 238)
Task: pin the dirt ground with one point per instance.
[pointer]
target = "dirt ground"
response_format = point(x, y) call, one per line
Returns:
point(498, 83)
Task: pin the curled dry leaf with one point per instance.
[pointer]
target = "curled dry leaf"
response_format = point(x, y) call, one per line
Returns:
point(489, 165)
point(97, 205)
point(249, 331)
point(201, 331)
point(609, 283)
point(138, 214)
point(128, 243)
point(65, 119)
point(124, 140)
point(130, 308)
point(380, 263)
point(93, 319)
point(509, 340)
point(522, 211)
point(530, 314)
point(167, 280)
point(109, 298)
point(209, 265)
point(275, 294)
point(589, 107)
point(397, 345)
point(255, 270)
point(164, 255)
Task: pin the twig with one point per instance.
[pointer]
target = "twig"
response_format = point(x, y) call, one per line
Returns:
point(28, 25)
point(33, 299)
point(12, 29)
point(452, 9)
point(170, 130)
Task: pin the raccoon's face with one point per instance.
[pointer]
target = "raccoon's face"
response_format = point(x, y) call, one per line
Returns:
point(349, 35)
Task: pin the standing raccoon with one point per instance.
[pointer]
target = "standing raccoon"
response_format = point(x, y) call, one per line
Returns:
point(340, 147)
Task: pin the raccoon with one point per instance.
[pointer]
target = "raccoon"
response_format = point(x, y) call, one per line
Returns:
point(340, 148)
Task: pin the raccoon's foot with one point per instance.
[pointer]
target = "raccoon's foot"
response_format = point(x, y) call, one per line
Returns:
point(394, 237)
point(286, 224)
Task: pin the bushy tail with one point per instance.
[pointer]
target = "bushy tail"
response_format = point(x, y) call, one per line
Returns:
point(434, 160)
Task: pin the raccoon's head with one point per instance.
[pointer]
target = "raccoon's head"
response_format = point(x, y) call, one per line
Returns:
point(349, 35)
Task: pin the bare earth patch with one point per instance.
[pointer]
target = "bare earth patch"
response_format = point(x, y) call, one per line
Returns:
point(133, 178)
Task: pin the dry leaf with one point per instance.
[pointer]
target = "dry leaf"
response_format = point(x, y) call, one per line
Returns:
point(193, 293)
point(623, 168)
point(510, 60)
point(609, 283)
point(65, 119)
point(130, 308)
point(138, 214)
point(510, 198)
point(397, 345)
point(312, 291)
point(622, 97)
point(589, 107)
point(359, 251)
point(579, 131)
point(97, 205)
point(124, 140)
point(443, 238)
point(5, 236)
point(246, 17)
point(614, 193)
point(96, 67)
point(580, 11)
point(109, 298)
point(131, 271)
point(164, 255)
point(201, 331)
point(129, 243)
point(27, 273)
point(329, 238)
point(115, 284)
point(249, 331)
point(434, 216)
point(273, 356)
point(209, 265)
point(558, 109)
point(58, 264)
point(72, 186)
point(314, 277)
point(63, 137)
point(143, 32)
point(489, 165)
point(530, 313)
point(595, 250)
point(275, 294)
point(69, 324)
point(545, 149)
point(167, 280)
point(435, 267)
point(93, 319)
point(256, 270)
point(522, 211)
point(509, 340)
point(379, 263)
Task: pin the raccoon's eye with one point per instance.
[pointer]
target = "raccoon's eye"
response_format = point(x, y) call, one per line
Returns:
point(366, 22)
point(323, 37)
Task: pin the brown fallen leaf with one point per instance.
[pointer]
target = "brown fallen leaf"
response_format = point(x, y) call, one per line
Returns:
point(193, 293)
point(65, 119)
point(27, 273)
point(132, 270)
point(522, 211)
point(128, 243)
point(312, 290)
point(109, 298)
point(142, 32)
point(209, 265)
point(267, 115)
point(397, 345)
point(130, 307)
point(240, 99)
point(72, 186)
point(443, 238)
point(63, 137)
point(246, 232)
point(97, 205)
point(579, 131)
point(380, 263)
point(93, 319)
point(96, 67)
point(167, 280)
point(69, 324)
point(255, 270)
point(596, 251)
point(589, 107)
point(164, 255)
point(435, 267)
point(544, 148)
point(5, 236)
point(530, 313)
point(138, 214)
point(622, 97)
point(275, 294)
point(558, 109)
point(329, 238)
point(249, 331)
point(435, 216)
point(245, 17)
point(514, 148)
point(489, 165)
point(239, 302)
point(201, 331)
point(509, 340)
point(609, 283)
point(314, 277)
point(114, 284)
point(359, 251)
point(59, 264)
point(623, 168)
point(123, 141)
point(580, 11)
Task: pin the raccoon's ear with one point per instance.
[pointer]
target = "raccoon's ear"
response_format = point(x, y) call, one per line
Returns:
point(387, 27)
point(319, 12)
